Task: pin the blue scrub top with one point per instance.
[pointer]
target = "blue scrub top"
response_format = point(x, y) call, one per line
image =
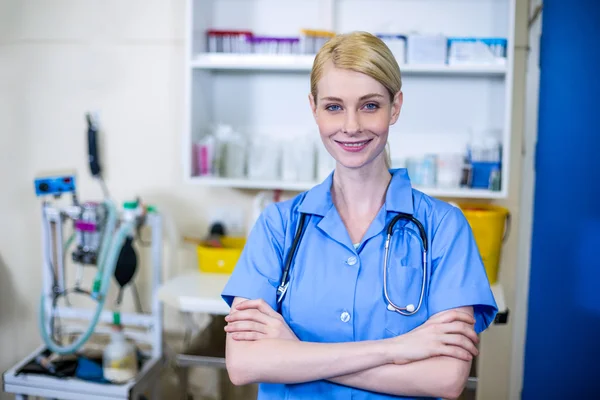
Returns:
point(336, 290)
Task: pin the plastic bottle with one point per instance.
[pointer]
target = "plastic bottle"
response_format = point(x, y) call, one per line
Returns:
point(119, 360)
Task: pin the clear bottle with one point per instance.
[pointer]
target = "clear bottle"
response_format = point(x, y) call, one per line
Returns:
point(119, 359)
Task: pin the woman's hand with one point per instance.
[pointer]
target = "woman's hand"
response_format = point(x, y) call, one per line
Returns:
point(448, 334)
point(256, 320)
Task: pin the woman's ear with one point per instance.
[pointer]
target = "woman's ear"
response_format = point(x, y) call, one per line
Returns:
point(396, 107)
point(313, 105)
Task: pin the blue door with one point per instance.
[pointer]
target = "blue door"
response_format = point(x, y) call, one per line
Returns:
point(562, 351)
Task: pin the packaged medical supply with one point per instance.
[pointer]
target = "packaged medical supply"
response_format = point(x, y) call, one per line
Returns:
point(428, 170)
point(119, 359)
point(264, 157)
point(412, 167)
point(232, 148)
point(485, 157)
point(466, 179)
point(311, 40)
point(449, 170)
point(397, 45)
point(298, 158)
point(422, 170)
point(274, 45)
point(471, 50)
point(485, 147)
point(426, 49)
point(228, 41)
point(205, 157)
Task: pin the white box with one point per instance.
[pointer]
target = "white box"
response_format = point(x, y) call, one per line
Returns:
point(472, 50)
point(397, 45)
point(426, 49)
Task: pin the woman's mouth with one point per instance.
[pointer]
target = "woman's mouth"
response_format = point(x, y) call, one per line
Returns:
point(353, 146)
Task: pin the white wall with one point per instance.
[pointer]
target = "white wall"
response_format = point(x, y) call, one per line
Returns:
point(61, 58)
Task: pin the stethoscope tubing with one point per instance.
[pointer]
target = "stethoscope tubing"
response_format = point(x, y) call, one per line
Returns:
point(402, 310)
point(283, 286)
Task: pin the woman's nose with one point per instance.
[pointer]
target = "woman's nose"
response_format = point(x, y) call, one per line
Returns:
point(351, 123)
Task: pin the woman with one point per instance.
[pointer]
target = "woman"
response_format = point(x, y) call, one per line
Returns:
point(334, 334)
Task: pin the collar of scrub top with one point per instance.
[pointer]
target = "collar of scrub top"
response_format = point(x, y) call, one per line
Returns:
point(398, 198)
point(317, 201)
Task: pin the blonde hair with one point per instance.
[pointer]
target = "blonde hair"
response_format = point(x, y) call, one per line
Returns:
point(360, 52)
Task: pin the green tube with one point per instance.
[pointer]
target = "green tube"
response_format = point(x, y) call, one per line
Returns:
point(111, 263)
point(109, 228)
point(68, 243)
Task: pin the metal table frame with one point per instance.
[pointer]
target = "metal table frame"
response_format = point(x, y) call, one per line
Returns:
point(23, 385)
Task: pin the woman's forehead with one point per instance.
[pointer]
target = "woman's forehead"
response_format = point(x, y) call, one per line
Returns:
point(340, 82)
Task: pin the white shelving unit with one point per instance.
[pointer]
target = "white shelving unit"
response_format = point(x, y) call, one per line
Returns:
point(444, 105)
point(302, 186)
point(303, 63)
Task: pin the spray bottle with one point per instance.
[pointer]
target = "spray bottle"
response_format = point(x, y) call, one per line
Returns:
point(119, 360)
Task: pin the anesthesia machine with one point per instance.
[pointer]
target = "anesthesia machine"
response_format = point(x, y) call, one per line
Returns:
point(101, 240)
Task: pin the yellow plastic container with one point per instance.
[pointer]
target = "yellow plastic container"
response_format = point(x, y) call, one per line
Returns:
point(220, 260)
point(490, 225)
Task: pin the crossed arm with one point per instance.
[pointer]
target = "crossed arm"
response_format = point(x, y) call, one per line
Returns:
point(433, 360)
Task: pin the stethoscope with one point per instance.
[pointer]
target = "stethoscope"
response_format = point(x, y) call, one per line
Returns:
point(410, 309)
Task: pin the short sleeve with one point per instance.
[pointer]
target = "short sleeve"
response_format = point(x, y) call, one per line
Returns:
point(458, 277)
point(258, 271)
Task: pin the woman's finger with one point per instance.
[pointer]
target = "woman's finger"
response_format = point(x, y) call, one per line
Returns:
point(248, 315)
point(452, 316)
point(247, 336)
point(258, 304)
point(455, 352)
point(461, 328)
point(244, 305)
point(246, 326)
point(460, 341)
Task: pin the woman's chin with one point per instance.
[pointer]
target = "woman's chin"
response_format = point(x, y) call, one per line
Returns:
point(353, 162)
point(358, 160)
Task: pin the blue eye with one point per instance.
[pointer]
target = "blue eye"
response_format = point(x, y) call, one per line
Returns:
point(333, 107)
point(371, 106)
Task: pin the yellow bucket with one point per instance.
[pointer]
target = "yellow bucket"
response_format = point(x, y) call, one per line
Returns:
point(490, 225)
point(220, 260)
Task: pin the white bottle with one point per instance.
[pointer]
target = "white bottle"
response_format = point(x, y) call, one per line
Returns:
point(119, 360)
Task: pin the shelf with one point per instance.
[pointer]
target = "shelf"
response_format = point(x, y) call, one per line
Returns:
point(252, 184)
point(462, 193)
point(303, 63)
point(266, 62)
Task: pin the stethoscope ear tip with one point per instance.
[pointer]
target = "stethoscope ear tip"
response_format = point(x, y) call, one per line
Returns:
point(410, 308)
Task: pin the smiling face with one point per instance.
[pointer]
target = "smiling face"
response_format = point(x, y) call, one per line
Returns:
point(353, 112)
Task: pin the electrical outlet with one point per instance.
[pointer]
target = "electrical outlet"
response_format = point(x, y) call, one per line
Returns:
point(232, 218)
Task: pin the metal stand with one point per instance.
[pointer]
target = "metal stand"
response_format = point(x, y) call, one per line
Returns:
point(148, 329)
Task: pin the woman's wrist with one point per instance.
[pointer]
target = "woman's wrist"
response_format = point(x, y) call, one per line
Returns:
point(394, 350)
point(384, 350)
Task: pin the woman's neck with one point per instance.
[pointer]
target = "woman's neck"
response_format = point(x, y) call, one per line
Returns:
point(360, 192)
